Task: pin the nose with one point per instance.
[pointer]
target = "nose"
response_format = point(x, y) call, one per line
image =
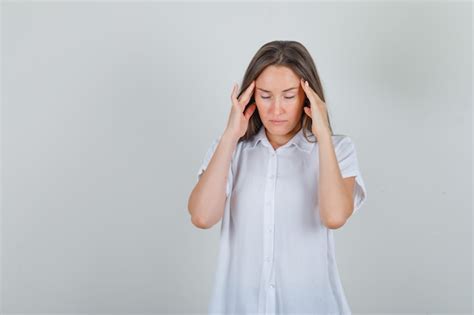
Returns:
point(277, 108)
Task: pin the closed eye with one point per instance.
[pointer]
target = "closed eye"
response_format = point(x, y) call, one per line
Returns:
point(285, 97)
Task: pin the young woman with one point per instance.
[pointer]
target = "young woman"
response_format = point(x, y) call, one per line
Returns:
point(279, 194)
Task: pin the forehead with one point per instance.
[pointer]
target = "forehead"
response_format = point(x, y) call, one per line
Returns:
point(277, 78)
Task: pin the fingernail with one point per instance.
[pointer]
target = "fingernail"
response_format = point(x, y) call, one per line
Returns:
point(306, 83)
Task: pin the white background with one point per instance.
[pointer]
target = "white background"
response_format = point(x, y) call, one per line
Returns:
point(108, 109)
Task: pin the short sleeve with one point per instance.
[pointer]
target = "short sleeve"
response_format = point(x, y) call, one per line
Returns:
point(348, 164)
point(207, 159)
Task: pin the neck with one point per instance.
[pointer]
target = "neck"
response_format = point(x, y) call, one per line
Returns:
point(277, 141)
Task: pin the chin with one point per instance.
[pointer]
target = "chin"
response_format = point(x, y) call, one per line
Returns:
point(280, 130)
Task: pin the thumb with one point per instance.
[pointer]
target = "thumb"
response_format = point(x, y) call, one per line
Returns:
point(249, 111)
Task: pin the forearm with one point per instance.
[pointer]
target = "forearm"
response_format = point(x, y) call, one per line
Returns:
point(207, 200)
point(334, 200)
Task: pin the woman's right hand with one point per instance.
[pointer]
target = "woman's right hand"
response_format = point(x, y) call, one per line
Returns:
point(238, 119)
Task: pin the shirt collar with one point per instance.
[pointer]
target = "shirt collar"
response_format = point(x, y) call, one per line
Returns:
point(298, 139)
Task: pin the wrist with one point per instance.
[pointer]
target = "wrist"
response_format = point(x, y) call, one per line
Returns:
point(228, 137)
point(323, 134)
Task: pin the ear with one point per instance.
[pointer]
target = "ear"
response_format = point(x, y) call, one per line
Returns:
point(307, 110)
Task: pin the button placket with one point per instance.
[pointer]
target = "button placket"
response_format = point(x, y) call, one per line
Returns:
point(271, 294)
point(269, 235)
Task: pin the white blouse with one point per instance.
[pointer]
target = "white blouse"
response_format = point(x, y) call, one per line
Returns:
point(275, 255)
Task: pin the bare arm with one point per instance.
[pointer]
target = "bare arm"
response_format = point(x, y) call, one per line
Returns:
point(207, 200)
point(335, 192)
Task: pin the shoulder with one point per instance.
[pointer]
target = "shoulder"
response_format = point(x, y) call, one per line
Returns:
point(246, 144)
point(340, 140)
point(239, 146)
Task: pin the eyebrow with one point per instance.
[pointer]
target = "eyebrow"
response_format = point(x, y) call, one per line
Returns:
point(283, 90)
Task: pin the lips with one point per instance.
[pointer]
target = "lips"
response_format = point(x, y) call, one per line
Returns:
point(278, 122)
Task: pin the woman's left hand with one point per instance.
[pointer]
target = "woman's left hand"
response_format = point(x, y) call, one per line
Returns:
point(317, 112)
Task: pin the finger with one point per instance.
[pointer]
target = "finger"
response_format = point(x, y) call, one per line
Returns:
point(249, 89)
point(307, 91)
point(312, 91)
point(312, 95)
point(306, 87)
point(250, 110)
point(233, 97)
point(303, 86)
point(244, 98)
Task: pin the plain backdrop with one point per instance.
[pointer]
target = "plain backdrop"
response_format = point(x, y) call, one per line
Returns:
point(109, 107)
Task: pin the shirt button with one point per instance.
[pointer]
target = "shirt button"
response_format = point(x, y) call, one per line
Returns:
point(272, 286)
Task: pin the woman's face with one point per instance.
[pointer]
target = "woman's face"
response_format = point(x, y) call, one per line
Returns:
point(279, 98)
